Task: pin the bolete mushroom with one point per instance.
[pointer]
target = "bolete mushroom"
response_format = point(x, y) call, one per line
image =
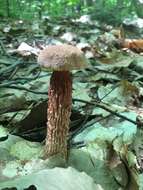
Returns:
point(61, 59)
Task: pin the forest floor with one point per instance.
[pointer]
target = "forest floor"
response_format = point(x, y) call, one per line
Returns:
point(106, 141)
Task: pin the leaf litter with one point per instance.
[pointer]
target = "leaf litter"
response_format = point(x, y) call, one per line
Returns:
point(106, 122)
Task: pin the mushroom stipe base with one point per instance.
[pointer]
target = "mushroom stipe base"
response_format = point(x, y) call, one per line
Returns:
point(58, 114)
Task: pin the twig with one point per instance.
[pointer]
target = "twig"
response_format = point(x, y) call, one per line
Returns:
point(8, 69)
point(8, 84)
point(18, 80)
point(83, 127)
point(113, 88)
point(103, 106)
point(23, 88)
point(79, 144)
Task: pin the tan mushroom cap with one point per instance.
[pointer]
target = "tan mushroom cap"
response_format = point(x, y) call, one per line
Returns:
point(62, 58)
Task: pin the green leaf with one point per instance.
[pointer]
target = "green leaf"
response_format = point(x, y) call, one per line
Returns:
point(25, 150)
point(54, 179)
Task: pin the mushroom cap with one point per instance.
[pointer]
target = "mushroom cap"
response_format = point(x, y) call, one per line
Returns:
point(62, 58)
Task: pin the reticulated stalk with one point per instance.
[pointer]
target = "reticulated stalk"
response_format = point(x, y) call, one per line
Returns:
point(58, 114)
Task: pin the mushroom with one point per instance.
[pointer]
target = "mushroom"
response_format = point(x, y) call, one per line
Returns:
point(61, 59)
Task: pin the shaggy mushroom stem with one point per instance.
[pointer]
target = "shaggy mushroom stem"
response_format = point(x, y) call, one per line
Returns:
point(61, 59)
point(59, 111)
